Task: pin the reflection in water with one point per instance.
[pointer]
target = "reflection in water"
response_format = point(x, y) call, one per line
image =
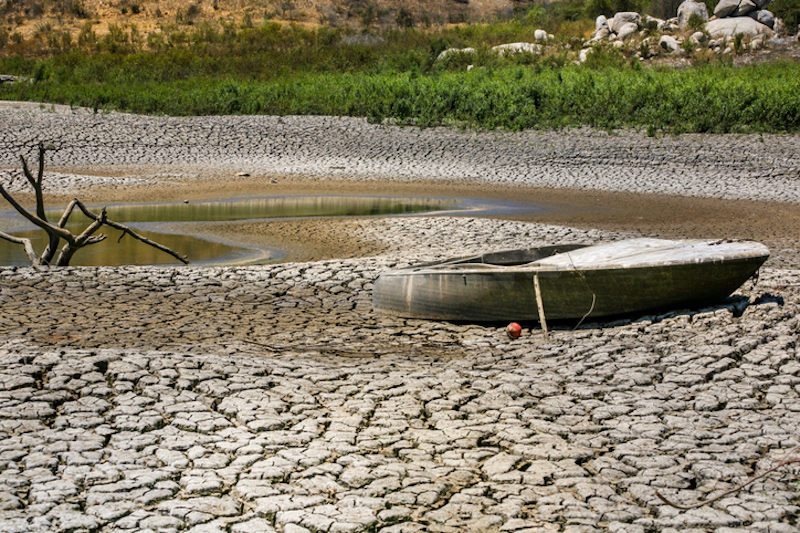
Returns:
point(129, 251)
point(285, 207)
point(132, 252)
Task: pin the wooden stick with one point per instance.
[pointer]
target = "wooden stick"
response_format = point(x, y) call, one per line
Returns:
point(540, 304)
point(788, 459)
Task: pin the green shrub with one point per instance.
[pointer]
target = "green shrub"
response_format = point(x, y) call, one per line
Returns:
point(278, 69)
point(404, 18)
point(695, 22)
point(34, 9)
point(536, 15)
point(665, 9)
point(156, 41)
point(788, 11)
point(738, 43)
point(604, 57)
point(87, 35)
point(76, 8)
point(116, 40)
point(650, 26)
point(40, 72)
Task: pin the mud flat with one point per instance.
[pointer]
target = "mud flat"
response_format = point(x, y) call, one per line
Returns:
point(710, 186)
point(272, 398)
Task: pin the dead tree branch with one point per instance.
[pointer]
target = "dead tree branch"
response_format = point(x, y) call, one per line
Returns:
point(35, 260)
point(57, 232)
point(36, 183)
point(128, 231)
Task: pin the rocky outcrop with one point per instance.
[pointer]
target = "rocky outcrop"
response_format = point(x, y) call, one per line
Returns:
point(618, 28)
point(748, 18)
point(732, 26)
point(623, 19)
point(737, 9)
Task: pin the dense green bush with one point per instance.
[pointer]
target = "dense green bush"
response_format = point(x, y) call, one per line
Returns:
point(788, 11)
point(714, 98)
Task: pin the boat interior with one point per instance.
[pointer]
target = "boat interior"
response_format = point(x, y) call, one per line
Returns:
point(507, 257)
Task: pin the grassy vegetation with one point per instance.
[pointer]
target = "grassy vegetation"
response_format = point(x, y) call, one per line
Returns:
point(278, 69)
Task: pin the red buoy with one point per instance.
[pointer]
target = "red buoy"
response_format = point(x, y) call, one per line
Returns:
point(514, 330)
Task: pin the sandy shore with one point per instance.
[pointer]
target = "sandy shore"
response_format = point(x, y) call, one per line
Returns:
point(274, 399)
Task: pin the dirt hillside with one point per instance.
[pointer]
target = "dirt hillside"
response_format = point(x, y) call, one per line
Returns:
point(29, 17)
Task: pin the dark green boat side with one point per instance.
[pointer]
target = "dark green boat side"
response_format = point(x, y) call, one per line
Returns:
point(461, 290)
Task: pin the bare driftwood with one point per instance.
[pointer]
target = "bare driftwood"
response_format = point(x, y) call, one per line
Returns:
point(789, 458)
point(58, 232)
point(29, 250)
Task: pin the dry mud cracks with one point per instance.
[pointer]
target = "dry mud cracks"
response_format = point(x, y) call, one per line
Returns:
point(131, 400)
point(134, 399)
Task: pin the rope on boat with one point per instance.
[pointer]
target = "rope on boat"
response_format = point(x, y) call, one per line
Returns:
point(594, 296)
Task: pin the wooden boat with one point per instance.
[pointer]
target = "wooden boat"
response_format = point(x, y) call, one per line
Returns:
point(576, 281)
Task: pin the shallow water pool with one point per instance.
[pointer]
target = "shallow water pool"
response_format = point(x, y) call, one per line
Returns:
point(200, 250)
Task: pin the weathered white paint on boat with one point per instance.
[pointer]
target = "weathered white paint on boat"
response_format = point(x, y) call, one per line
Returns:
point(608, 279)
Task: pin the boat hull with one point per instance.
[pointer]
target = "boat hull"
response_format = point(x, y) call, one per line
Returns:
point(508, 293)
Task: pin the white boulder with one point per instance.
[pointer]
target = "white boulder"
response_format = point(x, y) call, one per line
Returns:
point(454, 51)
point(602, 33)
point(517, 48)
point(725, 8)
point(669, 43)
point(627, 30)
point(745, 7)
point(689, 8)
point(622, 18)
point(540, 35)
point(600, 22)
point(728, 27)
point(764, 16)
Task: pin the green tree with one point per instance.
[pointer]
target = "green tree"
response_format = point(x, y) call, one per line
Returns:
point(788, 11)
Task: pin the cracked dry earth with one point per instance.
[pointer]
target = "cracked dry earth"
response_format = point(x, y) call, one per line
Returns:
point(134, 399)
